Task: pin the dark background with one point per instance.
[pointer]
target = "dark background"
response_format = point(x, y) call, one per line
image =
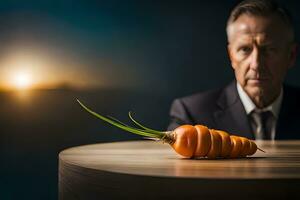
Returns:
point(157, 50)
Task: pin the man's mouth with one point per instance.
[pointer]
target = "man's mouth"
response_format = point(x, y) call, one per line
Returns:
point(258, 77)
point(257, 81)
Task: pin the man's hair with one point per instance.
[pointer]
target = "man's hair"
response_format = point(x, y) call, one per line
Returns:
point(261, 8)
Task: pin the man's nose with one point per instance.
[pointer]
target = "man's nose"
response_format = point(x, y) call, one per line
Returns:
point(256, 60)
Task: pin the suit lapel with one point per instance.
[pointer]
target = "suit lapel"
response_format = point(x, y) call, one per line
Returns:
point(231, 115)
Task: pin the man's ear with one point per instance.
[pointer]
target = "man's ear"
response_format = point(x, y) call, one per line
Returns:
point(293, 54)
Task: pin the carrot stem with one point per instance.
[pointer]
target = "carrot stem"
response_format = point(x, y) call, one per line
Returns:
point(123, 126)
point(116, 120)
point(142, 126)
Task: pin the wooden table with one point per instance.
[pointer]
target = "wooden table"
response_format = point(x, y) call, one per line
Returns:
point(152, 170)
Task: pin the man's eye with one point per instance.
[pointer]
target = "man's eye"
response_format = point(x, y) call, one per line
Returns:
point(245, 49)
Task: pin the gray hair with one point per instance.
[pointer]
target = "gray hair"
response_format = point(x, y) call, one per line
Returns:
point(261, 8)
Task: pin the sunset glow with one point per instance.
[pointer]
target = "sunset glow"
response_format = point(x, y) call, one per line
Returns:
point(30, 70)
point(22, 80)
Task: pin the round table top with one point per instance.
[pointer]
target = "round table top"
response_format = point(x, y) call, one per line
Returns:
point(150, 158)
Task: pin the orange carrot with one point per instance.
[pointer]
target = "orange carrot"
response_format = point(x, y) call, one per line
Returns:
point(191, 141)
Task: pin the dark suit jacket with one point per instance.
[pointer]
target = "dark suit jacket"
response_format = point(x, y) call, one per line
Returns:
point(222, 109)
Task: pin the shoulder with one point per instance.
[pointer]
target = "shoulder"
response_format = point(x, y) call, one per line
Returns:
point(203, 100)
point(200, 107)
point(195, 108)
point(212, 99)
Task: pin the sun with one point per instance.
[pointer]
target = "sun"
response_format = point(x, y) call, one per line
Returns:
point(22, 80)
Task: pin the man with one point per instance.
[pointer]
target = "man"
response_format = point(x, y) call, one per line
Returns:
point(257, 105)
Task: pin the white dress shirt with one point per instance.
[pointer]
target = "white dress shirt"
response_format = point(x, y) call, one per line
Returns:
point(250, 106)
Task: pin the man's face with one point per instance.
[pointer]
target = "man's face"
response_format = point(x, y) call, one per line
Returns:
point(261, 51)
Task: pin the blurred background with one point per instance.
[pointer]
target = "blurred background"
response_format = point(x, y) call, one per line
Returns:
point(116, 56)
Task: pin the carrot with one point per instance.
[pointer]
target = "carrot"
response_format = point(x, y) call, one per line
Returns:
point(216, 144)
point(190, 141)
point(226, 144)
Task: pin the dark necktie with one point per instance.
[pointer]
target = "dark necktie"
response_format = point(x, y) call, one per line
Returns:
point(262, 124)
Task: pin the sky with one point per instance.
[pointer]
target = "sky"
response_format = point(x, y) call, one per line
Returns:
point(94, 43)
point(62, 42)
point(114, 44)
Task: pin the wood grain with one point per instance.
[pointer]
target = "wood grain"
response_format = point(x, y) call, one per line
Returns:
point(146, 169)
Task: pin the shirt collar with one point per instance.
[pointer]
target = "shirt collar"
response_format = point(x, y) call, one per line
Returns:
point(250, 106)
